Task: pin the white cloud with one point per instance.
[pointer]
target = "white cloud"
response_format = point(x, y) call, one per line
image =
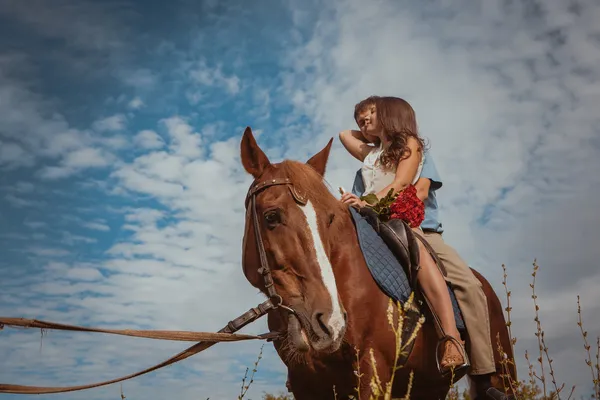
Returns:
point(32, 128)
point(114, 142)
point(71, 239)
point(86, 158)
point(13, 155)
point(213, 130)
point(98, 226)
point(139, 181)
point(207, 76)
point(24, 187)
point(144, 215)
point(160, 165)
point(77, 160)
point(35, 224)
point(83, 274)
point(63, 142)
point(136, 103)
point(194, 96)
point(142, 78)
point(47, 252)
point(52, 172)
point(148, 139)
point(28, 123)
point(20, 202)
point(184, 141)
point(113, 123)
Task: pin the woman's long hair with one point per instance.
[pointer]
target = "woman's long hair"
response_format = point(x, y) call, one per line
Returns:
point(399, 122)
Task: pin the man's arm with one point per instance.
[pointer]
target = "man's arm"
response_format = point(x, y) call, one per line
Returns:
point(430, 174)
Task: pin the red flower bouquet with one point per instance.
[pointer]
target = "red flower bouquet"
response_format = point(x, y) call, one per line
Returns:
point(404, 205)
point(408, 207)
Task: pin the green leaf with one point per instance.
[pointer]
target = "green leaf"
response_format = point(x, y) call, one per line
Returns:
point(381, 206)
point(370, 198)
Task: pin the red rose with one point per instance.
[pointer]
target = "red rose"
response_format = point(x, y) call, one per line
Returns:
point(408, 207)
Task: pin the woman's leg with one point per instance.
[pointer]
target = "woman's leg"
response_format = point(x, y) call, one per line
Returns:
point(435, 289)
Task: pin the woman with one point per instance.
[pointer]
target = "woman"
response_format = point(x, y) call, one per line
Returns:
point(395, 163)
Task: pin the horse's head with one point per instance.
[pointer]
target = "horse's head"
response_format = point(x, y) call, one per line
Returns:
point(295, 216)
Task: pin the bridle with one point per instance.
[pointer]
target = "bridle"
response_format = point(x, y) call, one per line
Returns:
point(264, 270)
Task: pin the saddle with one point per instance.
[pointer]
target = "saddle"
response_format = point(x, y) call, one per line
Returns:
point(402, 241)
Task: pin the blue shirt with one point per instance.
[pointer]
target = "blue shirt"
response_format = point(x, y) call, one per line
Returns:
point(432, 220)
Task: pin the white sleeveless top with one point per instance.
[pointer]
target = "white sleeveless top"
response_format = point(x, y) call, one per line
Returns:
point(375, 177)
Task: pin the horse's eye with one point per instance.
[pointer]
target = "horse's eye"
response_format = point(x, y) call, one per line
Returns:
point(272, 218)
point(331, 217)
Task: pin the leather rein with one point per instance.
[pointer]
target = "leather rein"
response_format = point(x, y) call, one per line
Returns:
point(205, 339)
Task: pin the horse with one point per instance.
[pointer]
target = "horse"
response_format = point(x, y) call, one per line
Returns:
point(300, 248)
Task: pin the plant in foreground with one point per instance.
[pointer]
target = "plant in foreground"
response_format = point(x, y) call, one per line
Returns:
point(528, 389)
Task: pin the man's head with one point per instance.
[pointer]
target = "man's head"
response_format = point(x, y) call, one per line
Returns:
point(365, 115)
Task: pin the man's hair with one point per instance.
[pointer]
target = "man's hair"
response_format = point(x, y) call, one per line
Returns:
point(364, 104)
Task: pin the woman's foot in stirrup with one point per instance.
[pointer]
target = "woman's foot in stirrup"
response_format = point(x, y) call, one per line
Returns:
point(454, 358)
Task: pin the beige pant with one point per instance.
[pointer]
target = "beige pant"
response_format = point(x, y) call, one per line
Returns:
point(472, 302)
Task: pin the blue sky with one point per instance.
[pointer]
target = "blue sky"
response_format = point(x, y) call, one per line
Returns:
point(121, 190)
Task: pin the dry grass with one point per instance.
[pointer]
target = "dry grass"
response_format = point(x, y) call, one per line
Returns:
point(245, 387)
point(383, 390)
point(536, 387)
point(541, 383)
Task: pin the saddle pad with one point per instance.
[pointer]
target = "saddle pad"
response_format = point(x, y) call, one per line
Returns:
point(385, 267)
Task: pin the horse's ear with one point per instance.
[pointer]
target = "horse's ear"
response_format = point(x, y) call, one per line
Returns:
point(319, 160)
point(254, 159)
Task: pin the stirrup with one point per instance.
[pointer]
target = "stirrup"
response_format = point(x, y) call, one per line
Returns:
point(451, 369)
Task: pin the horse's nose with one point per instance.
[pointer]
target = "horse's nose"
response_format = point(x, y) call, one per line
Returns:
point(328, 328)
point(322, 321)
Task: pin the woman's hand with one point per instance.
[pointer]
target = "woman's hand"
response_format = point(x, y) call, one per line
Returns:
point(353, 200)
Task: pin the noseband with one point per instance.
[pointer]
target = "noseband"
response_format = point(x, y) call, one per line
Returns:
point(264, 269)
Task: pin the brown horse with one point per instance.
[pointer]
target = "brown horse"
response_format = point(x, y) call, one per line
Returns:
point(330, 303)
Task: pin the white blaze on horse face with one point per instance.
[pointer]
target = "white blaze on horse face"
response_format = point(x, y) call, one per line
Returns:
point(336, 321)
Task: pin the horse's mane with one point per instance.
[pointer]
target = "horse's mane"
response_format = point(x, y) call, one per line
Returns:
point(306, 179)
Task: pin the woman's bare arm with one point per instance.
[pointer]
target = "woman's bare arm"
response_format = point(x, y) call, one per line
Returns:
point(405, 171)
point(422, 187)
